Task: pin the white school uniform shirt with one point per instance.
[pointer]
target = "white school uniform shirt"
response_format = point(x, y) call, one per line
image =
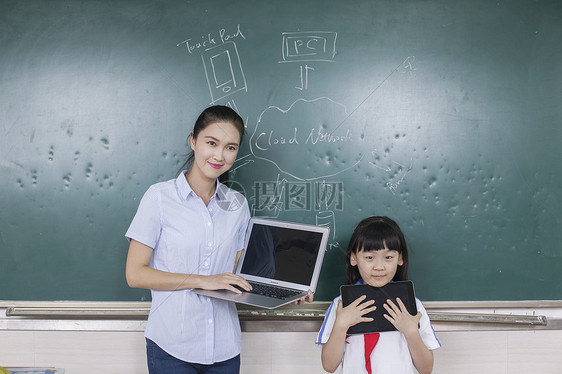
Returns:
point(391, 354)
point(191, 238)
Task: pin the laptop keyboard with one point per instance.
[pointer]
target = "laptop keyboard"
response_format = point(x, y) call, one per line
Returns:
point(272, 291)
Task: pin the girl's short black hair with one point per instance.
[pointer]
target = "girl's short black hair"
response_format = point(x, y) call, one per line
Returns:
point(371, 234)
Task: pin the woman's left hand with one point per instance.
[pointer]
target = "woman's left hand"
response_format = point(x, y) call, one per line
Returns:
point(399, 316)
point(305, 299)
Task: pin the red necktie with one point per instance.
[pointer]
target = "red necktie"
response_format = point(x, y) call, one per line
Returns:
point(370, 342)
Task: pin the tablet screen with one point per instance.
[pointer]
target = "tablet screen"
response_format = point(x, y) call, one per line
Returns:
point(402, 289)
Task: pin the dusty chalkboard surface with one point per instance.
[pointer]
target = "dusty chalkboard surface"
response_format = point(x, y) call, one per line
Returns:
point(444, 115)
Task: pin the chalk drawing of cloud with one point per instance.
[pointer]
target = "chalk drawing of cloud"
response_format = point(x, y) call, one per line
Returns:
point(311, 139)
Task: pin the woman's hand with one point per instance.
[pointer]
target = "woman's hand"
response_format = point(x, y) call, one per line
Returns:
point(305, 299)
point(354, 313)
point(225, 281)
point(399, 316)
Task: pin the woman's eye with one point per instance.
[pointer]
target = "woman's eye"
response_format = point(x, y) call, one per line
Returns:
point(210, 142)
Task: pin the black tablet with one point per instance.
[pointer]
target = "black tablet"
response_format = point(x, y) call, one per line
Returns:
point(402, 289)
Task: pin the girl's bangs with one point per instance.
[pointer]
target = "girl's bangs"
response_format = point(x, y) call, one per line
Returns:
point(376, 236)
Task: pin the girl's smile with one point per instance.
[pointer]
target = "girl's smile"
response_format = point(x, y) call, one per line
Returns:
point(377, 268)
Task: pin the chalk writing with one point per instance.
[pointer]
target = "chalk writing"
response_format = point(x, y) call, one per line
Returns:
point(304, 77)
point(393, 186)
point(265, 141)
point(323, 136)
point(409, 65)
point(390, 168)
point(211, 39)
point(221, 61)
point(309, 46)
point(312, 138)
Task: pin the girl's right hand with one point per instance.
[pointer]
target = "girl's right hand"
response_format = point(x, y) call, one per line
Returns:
point(225, 281)
point(354, 312)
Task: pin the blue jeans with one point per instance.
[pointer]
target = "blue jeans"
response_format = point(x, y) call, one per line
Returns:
point(160, 362)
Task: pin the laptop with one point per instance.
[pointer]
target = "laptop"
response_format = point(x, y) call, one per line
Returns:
point(282, 261)
point(402, 289)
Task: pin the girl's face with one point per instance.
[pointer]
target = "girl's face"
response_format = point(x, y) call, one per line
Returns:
point(377, 268)
point(215, 149)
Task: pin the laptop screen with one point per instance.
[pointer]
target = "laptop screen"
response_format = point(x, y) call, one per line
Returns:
point(282, 253)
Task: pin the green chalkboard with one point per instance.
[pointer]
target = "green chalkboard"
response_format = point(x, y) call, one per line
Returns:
point(444, 115)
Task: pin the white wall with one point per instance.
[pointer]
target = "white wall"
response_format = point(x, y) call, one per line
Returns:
point(467, 347)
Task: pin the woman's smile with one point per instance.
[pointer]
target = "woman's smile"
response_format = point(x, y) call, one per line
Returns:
point(216, 146)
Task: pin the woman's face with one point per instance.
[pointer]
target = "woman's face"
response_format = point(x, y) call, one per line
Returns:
point(215, 149)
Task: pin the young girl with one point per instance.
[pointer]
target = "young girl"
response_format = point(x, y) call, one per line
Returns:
point(376, 255)
point(188, 233)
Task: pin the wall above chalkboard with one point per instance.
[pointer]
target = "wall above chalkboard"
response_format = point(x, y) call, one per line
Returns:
point(443, 115)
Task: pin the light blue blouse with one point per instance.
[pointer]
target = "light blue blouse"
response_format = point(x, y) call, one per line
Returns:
point(191, 238)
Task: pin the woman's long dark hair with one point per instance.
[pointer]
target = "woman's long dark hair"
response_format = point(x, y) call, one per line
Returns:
point(371, 234)
point(213, 114)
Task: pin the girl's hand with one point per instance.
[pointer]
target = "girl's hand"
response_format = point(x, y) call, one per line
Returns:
point(399, 316)
point(354, 312)
point(226, 281)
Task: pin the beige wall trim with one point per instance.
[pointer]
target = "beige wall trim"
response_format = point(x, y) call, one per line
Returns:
point(132, 316)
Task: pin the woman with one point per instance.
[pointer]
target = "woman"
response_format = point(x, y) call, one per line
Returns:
point(186, 235)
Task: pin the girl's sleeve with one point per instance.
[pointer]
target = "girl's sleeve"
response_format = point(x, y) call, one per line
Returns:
point(146, 227)
point(328, 324)
point(426, 329)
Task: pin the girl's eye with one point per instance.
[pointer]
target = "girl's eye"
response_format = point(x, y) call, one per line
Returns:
point(369, 257)
point(231, 148)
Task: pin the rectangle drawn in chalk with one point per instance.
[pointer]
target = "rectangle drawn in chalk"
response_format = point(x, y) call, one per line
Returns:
point(309, 46)
point(223, 71)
